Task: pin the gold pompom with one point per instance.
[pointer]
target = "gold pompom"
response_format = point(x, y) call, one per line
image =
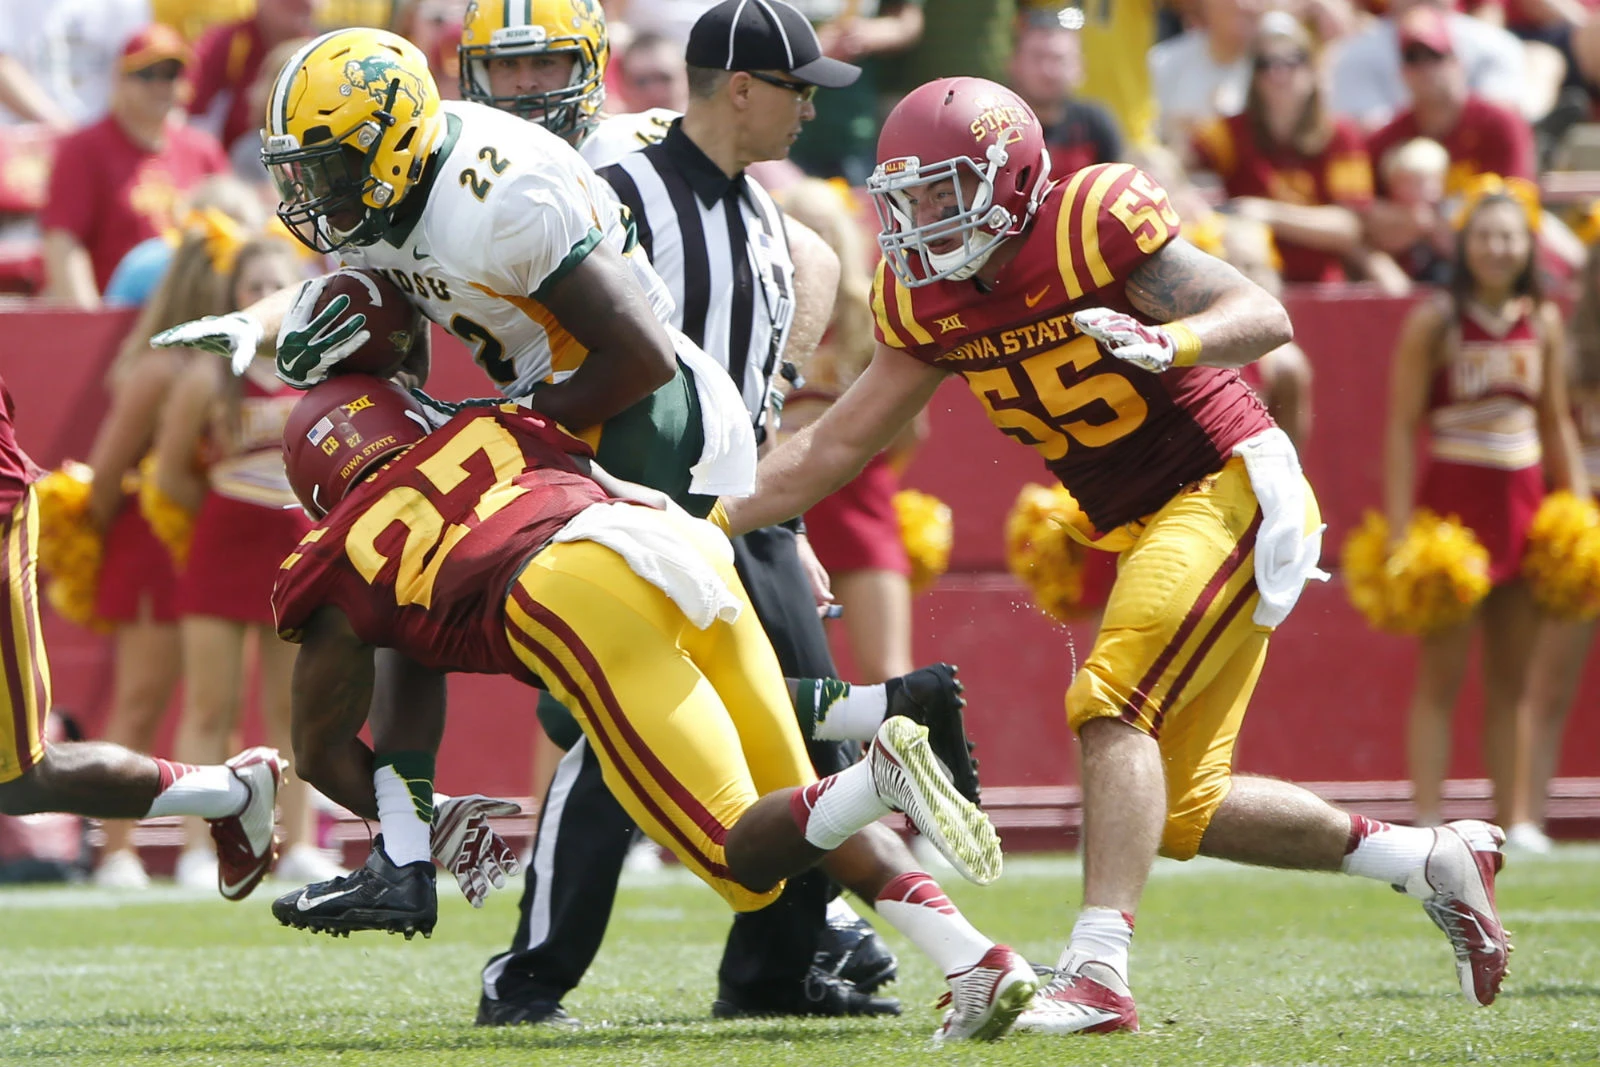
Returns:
point(1434, 579)
point(926, 529)
point(1562, 560)
point(70, 548)
point(169, 521)
point(1042, 554)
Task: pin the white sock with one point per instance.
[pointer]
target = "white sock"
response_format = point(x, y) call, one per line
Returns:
point(1102, 935)
point(855, 716)
point(830, 811)
point(209, 792)
point(914, 904)
point(405, 836)
point(1384, 852)
point(840, 913)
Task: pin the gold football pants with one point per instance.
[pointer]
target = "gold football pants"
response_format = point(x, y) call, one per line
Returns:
point(690, 726)
point(1178, 653)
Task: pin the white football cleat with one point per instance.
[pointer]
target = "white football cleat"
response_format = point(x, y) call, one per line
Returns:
point(121, 869)
point(247, 844)
point(196, 868)
point(1456, 887)
point(908, 779)
point(305, 863)
point(986, 998)
point(1089, 998)
point(1528, 838)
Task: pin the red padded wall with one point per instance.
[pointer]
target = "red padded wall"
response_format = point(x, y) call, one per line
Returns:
point(1330, 705)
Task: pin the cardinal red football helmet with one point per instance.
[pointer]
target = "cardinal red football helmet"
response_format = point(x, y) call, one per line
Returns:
point(987, 140)
point(341, 429)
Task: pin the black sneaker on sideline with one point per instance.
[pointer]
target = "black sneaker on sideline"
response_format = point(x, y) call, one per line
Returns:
point(854, 952)
point(537, 1012)
point(931, 696)
point(377, 896)
point(819, 993)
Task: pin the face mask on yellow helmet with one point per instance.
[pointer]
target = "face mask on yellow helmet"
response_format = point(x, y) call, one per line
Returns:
point(508, 29)
point(351, 122)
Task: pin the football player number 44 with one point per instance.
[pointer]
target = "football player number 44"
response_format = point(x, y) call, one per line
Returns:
point(429, 539)
point(1031, 400)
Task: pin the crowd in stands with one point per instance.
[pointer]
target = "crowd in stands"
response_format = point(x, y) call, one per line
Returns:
point(1307, 141)
point(1347, 127)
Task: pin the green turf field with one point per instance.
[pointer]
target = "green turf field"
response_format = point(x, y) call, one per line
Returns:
point(1231, 967)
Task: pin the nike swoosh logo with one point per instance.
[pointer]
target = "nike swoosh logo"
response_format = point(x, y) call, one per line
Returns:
point(230, 888)
point(1033, 298)
point(418, 254)
point(307, 901)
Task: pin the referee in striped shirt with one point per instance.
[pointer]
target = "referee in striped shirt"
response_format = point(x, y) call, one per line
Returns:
point(747, 296)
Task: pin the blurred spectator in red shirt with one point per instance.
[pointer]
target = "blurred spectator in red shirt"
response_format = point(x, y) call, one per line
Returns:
point(1482, 138)
point(1046, 70)
point(115, 183)
point(229, 58)
point(650, 73)
point(1286, 162)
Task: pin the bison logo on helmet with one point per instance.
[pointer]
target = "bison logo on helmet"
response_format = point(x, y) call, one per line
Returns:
point(375, 74)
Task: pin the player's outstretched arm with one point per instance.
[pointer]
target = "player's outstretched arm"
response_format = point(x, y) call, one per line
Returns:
point(237, 336)
point(828, 453)
point(332, 691)
point(630, 354)
point(1212, 315)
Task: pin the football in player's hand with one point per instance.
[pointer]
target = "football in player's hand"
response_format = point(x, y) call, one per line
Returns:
point(395, 324)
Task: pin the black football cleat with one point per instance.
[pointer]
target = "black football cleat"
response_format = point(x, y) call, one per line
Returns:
point(931, 696)
point(819, 993)
point(853, 951)
point(376, 896)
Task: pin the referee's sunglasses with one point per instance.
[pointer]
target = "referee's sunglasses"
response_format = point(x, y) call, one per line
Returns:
point(804, 90)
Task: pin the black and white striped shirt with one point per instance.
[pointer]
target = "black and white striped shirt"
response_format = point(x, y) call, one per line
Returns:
point(720, 246)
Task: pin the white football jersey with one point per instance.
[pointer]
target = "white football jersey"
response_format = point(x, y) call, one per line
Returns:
point(619, 135)
point(512, 208)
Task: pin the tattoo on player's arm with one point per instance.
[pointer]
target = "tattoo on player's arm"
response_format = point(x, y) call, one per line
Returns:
point(1178, 281)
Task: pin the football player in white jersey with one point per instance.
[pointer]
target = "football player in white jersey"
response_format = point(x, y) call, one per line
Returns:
point(545, 61)
point(501, 234)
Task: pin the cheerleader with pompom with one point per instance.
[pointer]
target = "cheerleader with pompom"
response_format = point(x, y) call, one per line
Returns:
point(1484, 366)
point(1564, 644)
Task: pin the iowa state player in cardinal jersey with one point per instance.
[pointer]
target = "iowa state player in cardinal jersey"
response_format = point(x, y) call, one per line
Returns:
point(1091, 332)
point(493, 545)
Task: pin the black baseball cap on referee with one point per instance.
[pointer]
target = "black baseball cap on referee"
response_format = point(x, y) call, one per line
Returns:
point(764, 35)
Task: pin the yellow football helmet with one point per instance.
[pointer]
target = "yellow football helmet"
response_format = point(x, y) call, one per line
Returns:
point(351, 122)
point(506, 29)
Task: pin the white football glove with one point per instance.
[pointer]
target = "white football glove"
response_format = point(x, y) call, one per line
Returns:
point(464, 844)
point(309, 346)
point(1125, 337)
point(234, 336)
